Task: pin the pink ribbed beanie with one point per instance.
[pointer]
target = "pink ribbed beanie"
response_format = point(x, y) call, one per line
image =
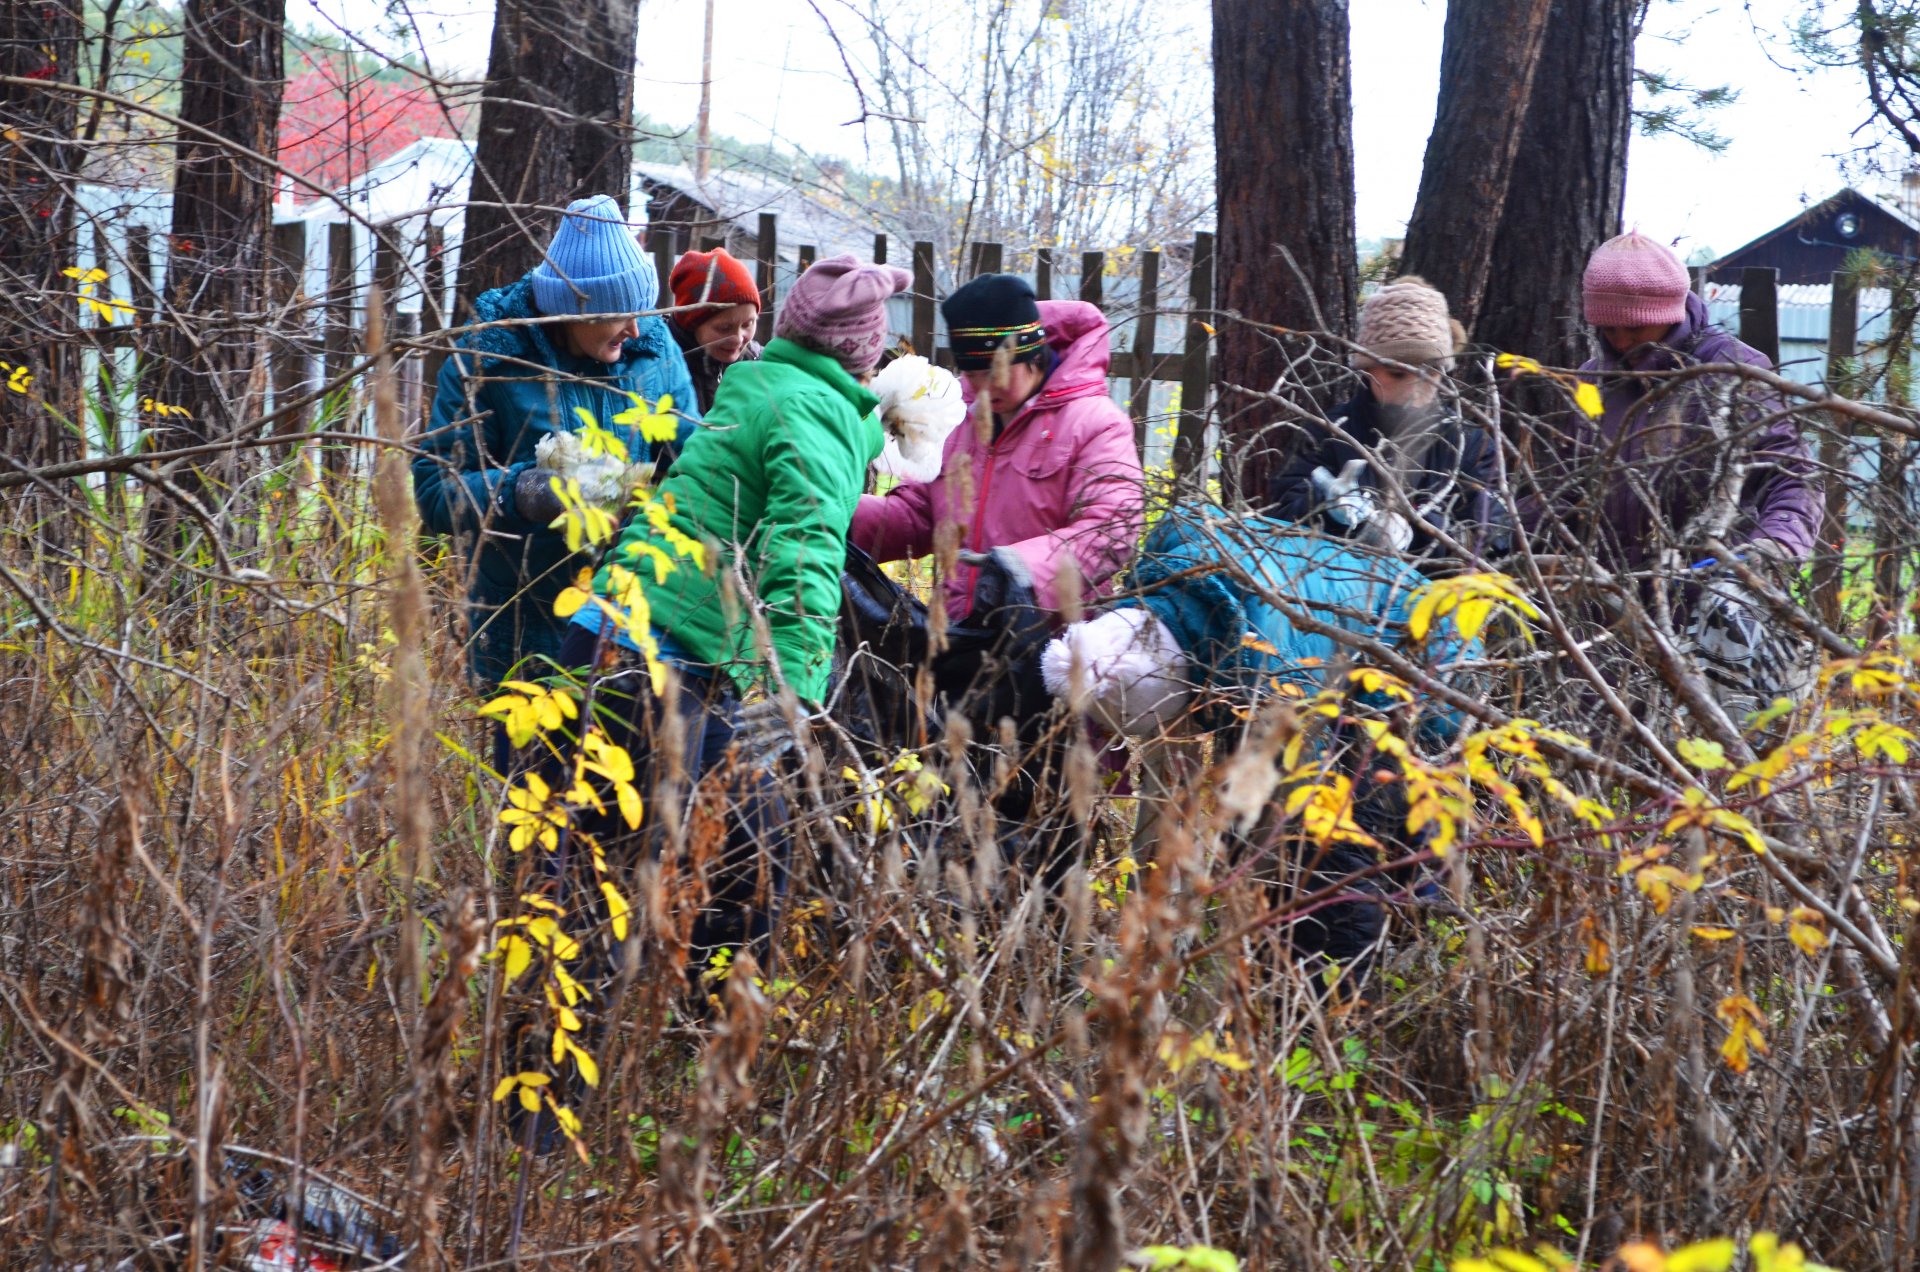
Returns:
point(1406, 321)
point(1633, 281)
point(839, 307)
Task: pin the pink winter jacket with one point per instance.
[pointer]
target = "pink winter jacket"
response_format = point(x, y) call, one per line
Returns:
point(1062, 478)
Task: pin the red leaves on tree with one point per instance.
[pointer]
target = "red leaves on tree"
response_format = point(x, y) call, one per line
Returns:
point(335, 122)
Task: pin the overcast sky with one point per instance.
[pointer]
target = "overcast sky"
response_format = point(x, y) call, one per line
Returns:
point(777, 77)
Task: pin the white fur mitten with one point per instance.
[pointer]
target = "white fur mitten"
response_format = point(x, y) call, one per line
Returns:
point(1133, 672)
point(605, 482)
point(920, 404)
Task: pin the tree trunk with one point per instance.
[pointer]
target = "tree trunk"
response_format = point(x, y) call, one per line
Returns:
point(39, 163)
point(1487, 66)
point(1568, 182)
point(208, 354)
point(1283, 116)
point(556, 125)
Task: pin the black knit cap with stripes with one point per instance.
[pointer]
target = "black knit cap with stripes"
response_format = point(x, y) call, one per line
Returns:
point(993, 312)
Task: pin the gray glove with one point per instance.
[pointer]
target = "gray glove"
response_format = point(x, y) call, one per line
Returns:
point(763, 732)
point(1357, 509)
point(534, 497)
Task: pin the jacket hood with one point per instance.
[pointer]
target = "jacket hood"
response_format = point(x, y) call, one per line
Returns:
point(1078, 334)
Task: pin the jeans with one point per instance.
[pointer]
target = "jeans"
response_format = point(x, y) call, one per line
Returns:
point(733, 820)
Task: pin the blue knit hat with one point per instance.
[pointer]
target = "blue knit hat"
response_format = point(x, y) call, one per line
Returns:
point(594, 266)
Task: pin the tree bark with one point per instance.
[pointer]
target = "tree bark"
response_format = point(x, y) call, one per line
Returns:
point(1567, 186)
point(39, 166)
point(208, 352)
point(1283, 116)
point(1487, 64)
point(556, 125)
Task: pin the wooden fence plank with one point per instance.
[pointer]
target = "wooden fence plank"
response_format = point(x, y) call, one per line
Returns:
point(1093, 270)
point(808, 254)
point(287, 270)
point(1760, 310)
point(1843, 344)
point(1196, 378)
point(1145, 365)
point(766, 253)
point(1043, 272)
point(879, 249)
point(923, 299)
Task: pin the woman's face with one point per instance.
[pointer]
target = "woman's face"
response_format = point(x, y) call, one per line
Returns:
point(599, 340)
point(1624, 340)
point(724, 336)
point(1022, 381)
point(1394, 386)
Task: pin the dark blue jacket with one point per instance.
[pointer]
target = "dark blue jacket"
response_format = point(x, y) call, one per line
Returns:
point(501, 391)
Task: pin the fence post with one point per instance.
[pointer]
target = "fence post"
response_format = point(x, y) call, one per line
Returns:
point(1043, 273)
point(1145, 364)
point(145, 297)
point(663, 268)
point(389, 275)
point(339, 320)
point(766, 253)
point(808, 253)
point(1843, 344)
point(434, 315)
point(287, 279)
point(1093, 269)
point(1196, 371)
point(923, 301)
point(879, 249)
point(1760, 310)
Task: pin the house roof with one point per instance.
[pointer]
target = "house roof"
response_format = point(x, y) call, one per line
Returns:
point(739, 197)
point(1811, 215)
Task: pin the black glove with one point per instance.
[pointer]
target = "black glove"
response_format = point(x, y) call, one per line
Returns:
point(534, 497)
point(1004, 584)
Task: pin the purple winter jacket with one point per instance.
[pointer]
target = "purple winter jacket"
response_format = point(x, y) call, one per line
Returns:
point(1658, 453)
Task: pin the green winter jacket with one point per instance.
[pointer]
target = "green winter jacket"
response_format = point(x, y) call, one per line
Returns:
point(769, 485)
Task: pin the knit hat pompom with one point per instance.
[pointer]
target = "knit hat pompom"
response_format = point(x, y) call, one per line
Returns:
point(839, 307)
point(704, 282)
point(1634, 281)
point(593, 265)
point(1407, 321)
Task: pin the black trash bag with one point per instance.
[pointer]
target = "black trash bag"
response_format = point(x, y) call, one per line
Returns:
point(989, 669)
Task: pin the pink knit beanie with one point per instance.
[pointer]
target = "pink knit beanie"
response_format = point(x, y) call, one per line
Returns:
point(1405, 321)
point(1633, 281)
point(839, 307)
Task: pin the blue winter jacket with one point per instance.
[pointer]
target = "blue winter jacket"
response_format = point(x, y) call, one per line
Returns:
point(1234, 625)
point(496, 397)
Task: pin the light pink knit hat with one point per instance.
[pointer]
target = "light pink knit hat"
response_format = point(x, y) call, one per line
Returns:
point(839, 307)
point(1406, 321)
point(1634, 281)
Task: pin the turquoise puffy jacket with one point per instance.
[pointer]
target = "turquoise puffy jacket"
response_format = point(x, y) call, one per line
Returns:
point(496, 397)
point(1240, 626)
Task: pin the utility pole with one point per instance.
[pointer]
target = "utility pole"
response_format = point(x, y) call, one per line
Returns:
point(704, 149)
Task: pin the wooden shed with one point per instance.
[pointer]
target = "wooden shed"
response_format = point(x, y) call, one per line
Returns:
point(1812, 246)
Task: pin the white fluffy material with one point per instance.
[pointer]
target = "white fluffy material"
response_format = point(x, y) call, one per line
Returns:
point(1133, 672)
point(604, 481)
point(920, 404)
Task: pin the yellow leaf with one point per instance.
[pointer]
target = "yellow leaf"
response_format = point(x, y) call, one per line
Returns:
point(617, 910)
point(1599, 957)
point(1515, 1261)
point(1703, 1256)
point(518, 956)
point(529, 1099)
point(630, 807)
point(589, 1069)
point(506, 1085)
point(1702, 753)
point(1587, 397)
point(1714, 933)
